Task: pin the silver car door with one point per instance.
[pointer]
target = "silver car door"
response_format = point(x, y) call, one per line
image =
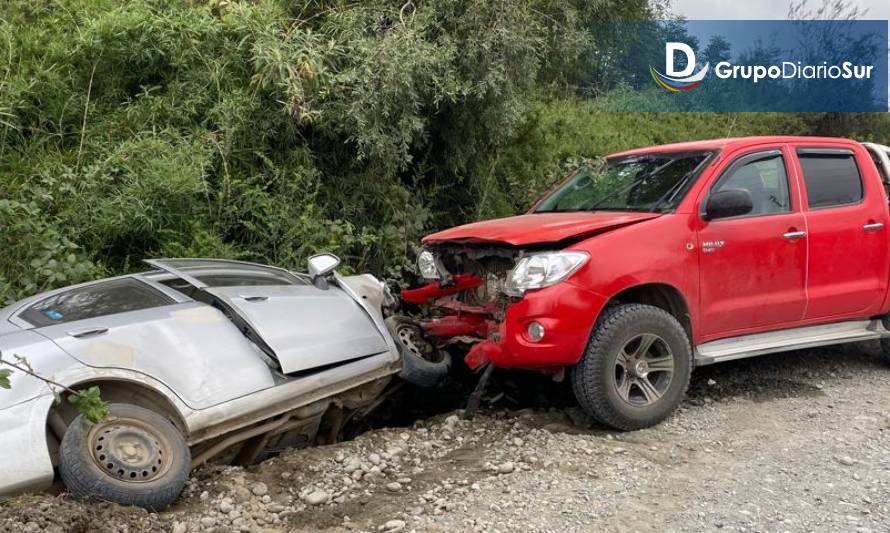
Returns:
point(302, 326)
point(126, 323)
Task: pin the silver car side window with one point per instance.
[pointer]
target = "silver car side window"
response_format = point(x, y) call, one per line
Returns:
point(94, 300)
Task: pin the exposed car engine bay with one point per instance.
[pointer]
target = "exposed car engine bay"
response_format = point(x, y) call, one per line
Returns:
point(490, 264)
point(466, 294)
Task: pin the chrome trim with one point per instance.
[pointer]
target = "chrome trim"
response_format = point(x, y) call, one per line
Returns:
point(873, 226)
point(795, 235)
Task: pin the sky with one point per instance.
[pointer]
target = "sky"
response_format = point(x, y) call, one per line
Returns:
point(761, 9)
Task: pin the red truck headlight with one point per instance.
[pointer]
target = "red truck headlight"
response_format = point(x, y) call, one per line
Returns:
point(540, 270)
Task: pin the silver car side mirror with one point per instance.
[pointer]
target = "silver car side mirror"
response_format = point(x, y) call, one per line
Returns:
point(321, 265)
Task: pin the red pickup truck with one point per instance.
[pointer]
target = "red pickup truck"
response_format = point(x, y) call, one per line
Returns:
point(632, 272)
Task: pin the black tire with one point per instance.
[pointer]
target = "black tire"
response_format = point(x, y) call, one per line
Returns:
point(612, 391)
point(423, 364)
point(151, 474)
point(885, 351)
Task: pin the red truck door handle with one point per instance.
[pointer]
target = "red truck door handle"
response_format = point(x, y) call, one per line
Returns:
point(873, 226)
point(795, 234)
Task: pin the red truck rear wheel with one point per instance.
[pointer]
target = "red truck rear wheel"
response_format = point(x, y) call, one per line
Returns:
point(635, 369)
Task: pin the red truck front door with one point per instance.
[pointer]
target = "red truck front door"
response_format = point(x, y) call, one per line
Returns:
point(847, 227)
point(753, 267)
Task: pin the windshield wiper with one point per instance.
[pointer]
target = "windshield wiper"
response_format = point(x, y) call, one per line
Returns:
point(671, 192)
point(615, 193)
point(630, 186)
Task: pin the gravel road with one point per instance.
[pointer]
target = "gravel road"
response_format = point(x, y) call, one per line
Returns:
point(789, 442)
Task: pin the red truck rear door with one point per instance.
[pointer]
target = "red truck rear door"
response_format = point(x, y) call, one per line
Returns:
point(847, 231)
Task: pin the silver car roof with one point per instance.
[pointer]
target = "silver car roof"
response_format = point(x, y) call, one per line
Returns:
point(196, 267)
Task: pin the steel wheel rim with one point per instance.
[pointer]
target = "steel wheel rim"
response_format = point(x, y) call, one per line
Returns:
point(413, 341)
point(129, 450)
point(644, 369)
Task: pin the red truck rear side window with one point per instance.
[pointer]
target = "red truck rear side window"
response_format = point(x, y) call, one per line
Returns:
point(831, 176)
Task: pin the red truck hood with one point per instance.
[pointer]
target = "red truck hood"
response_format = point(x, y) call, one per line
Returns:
point(539, 228)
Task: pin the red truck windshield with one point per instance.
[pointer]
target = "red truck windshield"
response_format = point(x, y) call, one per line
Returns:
point(651, 182)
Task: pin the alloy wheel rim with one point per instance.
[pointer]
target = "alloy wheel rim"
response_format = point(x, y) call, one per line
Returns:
point(644, 369)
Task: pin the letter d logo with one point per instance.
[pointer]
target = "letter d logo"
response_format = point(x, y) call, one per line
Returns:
point(670, 50)
point(679, 80)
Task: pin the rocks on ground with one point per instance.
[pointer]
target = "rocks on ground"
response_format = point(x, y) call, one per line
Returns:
point(799, 442)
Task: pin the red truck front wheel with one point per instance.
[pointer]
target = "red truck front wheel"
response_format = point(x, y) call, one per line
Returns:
point(635, 369)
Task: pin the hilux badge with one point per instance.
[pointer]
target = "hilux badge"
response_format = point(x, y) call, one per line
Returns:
point(710, 246)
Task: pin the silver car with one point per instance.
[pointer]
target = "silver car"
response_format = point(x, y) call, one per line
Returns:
point(199, 359)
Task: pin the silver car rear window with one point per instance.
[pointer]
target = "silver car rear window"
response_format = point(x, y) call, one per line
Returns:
point(94, 300)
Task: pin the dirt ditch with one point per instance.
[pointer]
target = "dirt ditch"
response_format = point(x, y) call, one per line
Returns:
point(793, 442)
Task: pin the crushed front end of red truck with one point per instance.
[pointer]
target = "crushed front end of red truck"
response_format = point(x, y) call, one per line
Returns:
point(499, 289)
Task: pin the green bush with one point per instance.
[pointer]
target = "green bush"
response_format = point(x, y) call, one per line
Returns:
point(37, 255)
point(261, 130)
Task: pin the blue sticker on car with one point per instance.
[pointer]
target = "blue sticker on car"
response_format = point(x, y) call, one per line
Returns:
point(53, 314)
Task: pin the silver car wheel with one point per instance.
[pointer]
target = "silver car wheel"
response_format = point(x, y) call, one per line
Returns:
point(129, 450)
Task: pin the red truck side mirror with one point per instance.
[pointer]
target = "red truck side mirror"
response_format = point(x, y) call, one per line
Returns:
point(728, 203)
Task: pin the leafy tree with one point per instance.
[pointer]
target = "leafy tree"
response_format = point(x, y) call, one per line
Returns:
point(270, 130)
point(265, 130)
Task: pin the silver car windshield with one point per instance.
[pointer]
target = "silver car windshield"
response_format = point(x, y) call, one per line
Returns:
point(204, 273)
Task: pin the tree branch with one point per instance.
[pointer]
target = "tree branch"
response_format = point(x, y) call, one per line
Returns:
point(26, 368)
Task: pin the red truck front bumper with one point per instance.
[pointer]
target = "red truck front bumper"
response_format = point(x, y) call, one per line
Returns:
point(566, 312)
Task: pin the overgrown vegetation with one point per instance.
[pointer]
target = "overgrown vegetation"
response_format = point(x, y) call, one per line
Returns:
point(269, 130)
